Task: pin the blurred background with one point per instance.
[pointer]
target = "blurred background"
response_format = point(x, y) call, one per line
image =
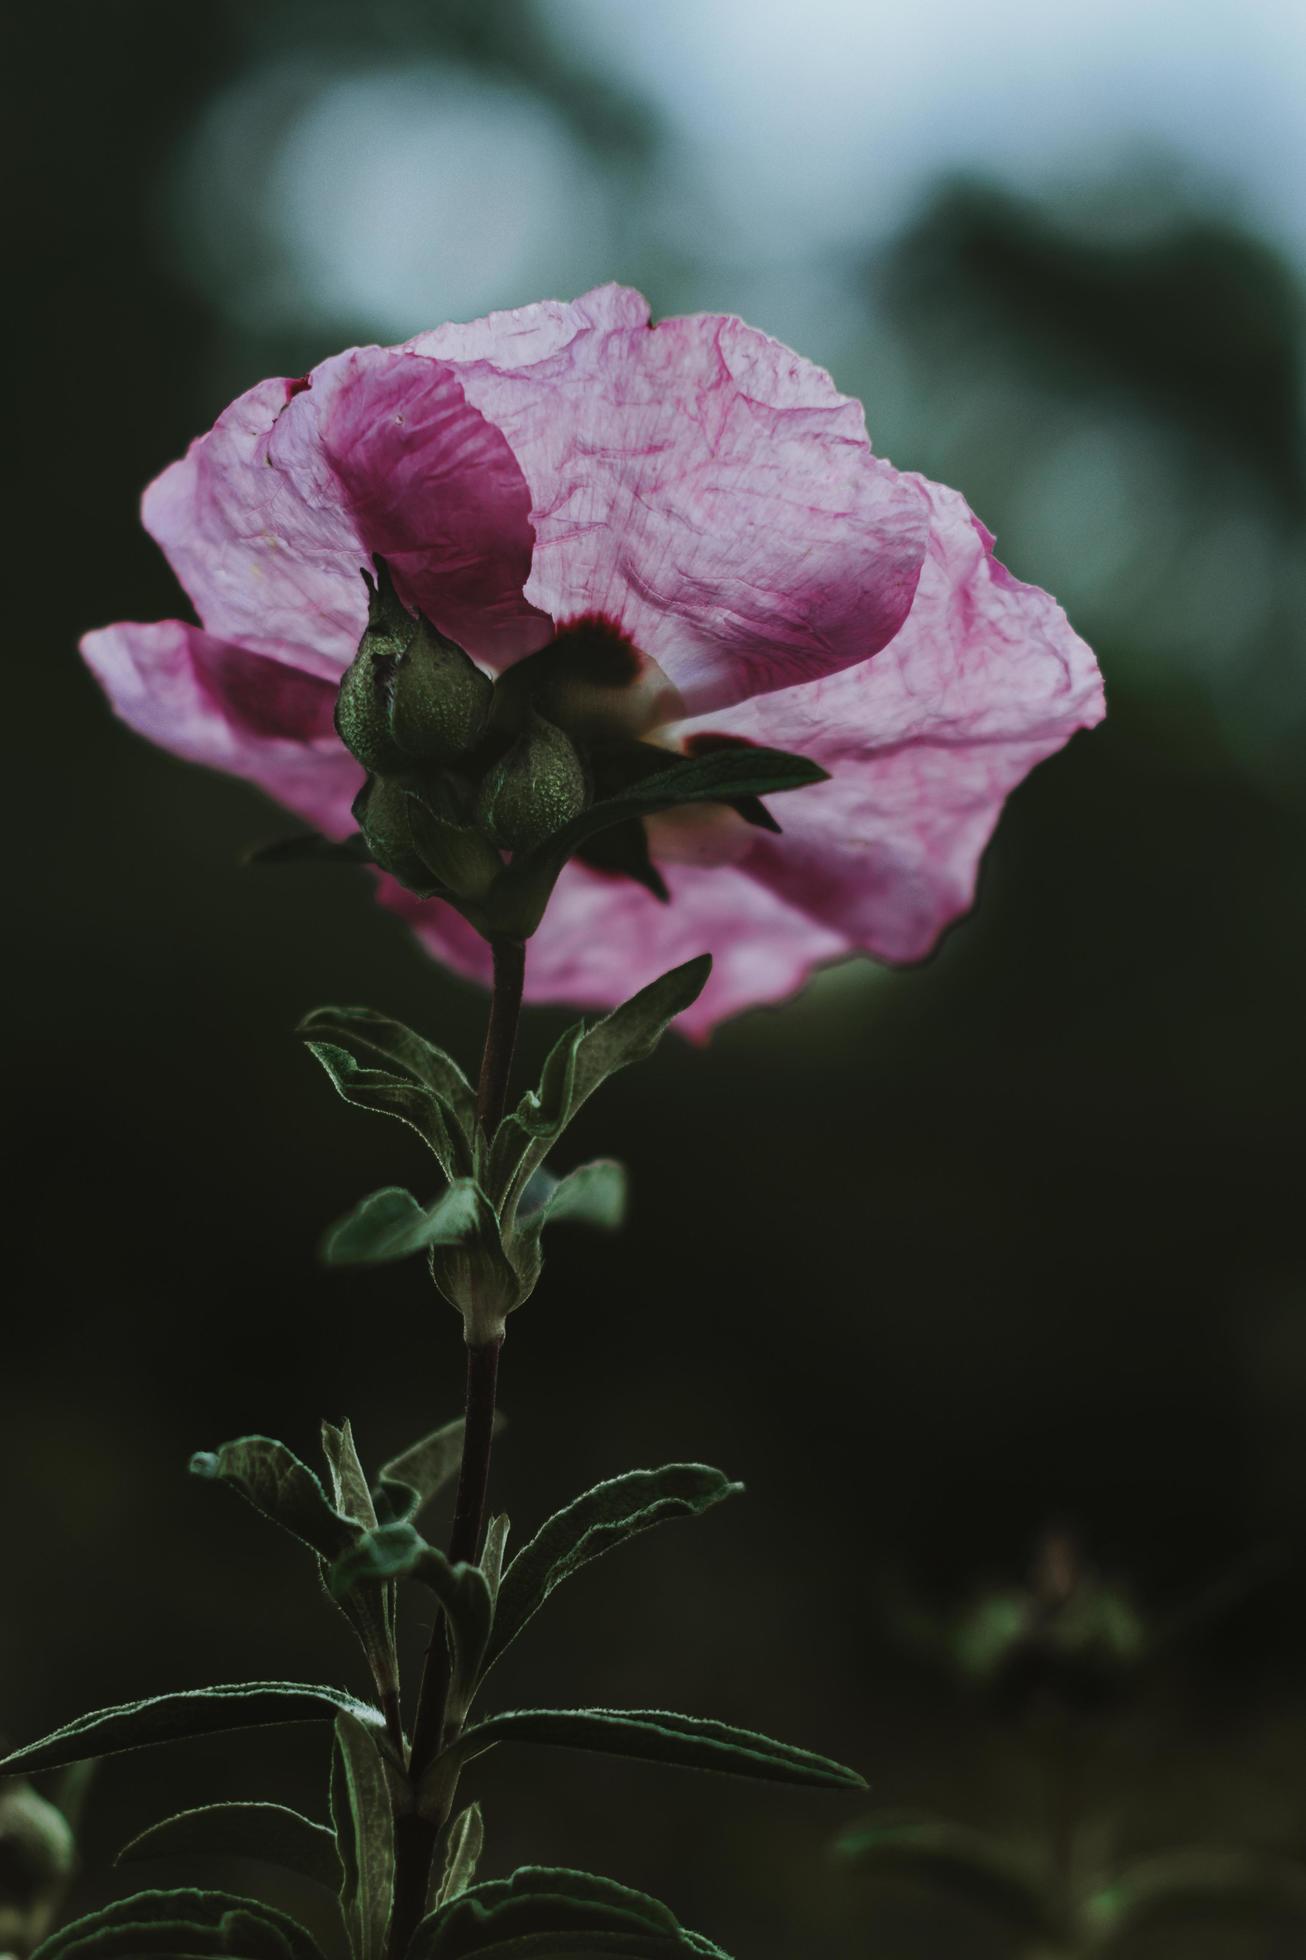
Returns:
point(938, 1261)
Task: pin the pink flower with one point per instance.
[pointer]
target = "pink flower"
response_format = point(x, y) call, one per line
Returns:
point(696, 486)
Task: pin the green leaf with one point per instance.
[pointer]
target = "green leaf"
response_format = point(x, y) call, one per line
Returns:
point(550, 1914)
point(353, 1499)
point(169, 1718)
point(276, 1483)
point(390, 1224)
point(398, 1551)
point(592, 1194)
point(241, 1830)
point(421, 1108)
point(363, 1813)
point(719, 776)
point(401, 1050)
point(655, 1736)
point(593, 1524)
point(466, 1842)
point(496, 1539)
point(961, 1864)
point(1192, 1888)
point(581, 1060)
point(175, 1925)
point(408, 1482)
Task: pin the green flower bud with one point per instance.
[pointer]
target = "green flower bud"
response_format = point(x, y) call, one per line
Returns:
point(382, 812)
point(440, 699)
point(459, 856)
point(539, 785)
point(363, 703)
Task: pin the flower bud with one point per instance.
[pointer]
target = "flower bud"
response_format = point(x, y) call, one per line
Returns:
point(539, 785)
point(439, 700)
point(458, 856)
point(382, 813)
point(363, 703)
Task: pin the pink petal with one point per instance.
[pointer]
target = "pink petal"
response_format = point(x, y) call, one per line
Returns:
point(269, 518)
point(603, 938)
point(699, 485)
point(210, 701)
point(924, 744)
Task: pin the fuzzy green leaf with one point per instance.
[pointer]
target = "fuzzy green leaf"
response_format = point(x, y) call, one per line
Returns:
point(421, 1108)
point(409, 1481)
point(390, 1224)
point(496, 1540)
point(175, 1925)
point(542, 1913)
point(959, 1863)
point(656, 1736)
point(398, 1551)
point(580, 1061)
point(400, 1049)
point(353, 1499)
point(276, 1483)
point(466, 1842)
point(362, 1811)
point(241, 1830)
point(593, 1524)
point(169, 1718)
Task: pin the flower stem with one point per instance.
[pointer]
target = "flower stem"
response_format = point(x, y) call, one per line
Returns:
point(501, 1034)
point(416, 1838)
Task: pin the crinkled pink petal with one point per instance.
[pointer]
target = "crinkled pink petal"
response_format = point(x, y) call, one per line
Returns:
point(210, 701)
point(699, 485)
point(923, 743)
point(603, 938)
point(269, 518)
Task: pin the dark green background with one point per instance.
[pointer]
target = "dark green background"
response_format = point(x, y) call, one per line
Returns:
point(931, 1260)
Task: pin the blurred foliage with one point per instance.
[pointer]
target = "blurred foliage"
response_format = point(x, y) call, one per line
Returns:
point(1041, 1198)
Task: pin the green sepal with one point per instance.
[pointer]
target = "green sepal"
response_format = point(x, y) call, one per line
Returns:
point(422, 1108)
point(171, 1717)
point(579, 1063)
point(652, 1735)
point(463, 1854)
point(517, 903)
point(398, 1551)
point(956, 1862)
point(593, 1524)
point(384, 810)
point(267, 1831)
point(362, 1810)
point(543, 1913)
point(458, 856)
point(178, 1924)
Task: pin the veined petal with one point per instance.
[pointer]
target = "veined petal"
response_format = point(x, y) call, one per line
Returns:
point(924, 743)
point(269, 519)
point(701, 486)
point(208, 700)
